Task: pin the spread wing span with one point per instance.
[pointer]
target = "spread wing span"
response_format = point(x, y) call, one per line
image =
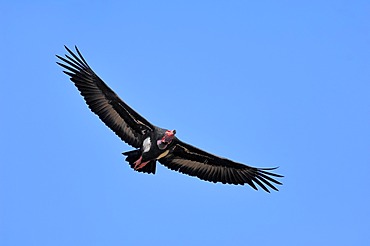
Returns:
point(116, 114)
point(192, 161)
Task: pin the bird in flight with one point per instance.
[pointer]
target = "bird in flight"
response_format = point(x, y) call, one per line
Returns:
point(153, 143)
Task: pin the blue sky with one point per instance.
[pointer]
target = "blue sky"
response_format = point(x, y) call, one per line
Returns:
point(273, 83)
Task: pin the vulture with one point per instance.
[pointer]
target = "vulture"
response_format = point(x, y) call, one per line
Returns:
point(152, 143)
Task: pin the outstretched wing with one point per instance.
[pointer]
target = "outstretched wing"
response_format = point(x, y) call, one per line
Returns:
point(190, 160)
point(115, 113)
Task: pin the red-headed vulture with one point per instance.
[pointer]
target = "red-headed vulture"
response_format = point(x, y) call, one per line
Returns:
point(153, 143)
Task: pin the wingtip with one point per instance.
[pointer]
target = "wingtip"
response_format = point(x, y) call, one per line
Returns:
point(69, 51)
point(268, 169)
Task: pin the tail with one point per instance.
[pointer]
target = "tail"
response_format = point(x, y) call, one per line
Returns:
point(134, 155)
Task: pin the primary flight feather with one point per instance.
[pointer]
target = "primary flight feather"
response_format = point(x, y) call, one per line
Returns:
point(153, 143)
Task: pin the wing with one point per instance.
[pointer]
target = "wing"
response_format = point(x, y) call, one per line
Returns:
point(190, 160)
point(115, 113)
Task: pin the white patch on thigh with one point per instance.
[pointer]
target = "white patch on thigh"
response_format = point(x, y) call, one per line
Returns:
point(146, 144)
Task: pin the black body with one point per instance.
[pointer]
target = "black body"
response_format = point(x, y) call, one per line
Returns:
point(152, 154)
point(133, 129)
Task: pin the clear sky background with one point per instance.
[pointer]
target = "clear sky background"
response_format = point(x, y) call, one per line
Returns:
point(266, 83)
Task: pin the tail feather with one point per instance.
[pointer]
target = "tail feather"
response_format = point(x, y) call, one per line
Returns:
point(134, 155)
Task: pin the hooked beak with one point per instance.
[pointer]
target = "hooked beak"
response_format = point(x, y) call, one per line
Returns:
point(168, 136)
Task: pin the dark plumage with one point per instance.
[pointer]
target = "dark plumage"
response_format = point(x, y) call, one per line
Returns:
point(153, 143)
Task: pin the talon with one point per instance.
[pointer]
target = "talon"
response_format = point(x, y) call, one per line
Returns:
point(139, 164)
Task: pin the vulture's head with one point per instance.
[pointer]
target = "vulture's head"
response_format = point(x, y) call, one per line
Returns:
point(168, 136)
